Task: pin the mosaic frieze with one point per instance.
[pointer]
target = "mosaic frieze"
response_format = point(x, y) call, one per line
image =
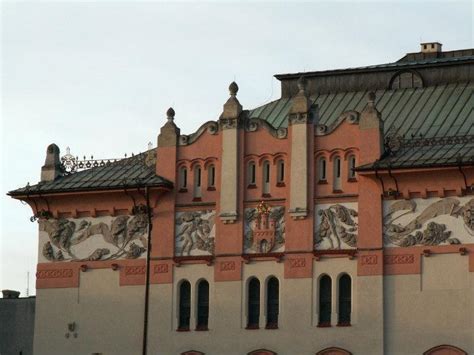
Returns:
point(431, 221)
point(195, 233)
point(91, 239)
point(336, 226)
point(264, 229)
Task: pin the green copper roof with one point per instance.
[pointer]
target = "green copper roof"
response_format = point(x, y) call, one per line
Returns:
point(125, 173)
point(444, 110)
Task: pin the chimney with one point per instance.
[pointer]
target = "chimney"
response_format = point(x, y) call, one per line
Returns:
point(431, 47)
point(52, 165)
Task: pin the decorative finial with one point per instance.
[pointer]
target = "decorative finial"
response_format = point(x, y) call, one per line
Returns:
point(170, 114)
point(233, 88)
point(302, 83)
point(150, 145)
point(371, 98)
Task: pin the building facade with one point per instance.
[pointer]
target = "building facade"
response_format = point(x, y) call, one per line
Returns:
point(338, 219)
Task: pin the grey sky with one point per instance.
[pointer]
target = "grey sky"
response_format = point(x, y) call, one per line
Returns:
point(99, 76)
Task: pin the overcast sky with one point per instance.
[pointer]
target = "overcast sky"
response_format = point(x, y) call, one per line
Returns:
point(99, 76)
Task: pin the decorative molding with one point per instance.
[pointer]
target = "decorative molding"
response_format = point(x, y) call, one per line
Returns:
point(211, 127)
point(253, 124)
point(134, 270)
point(368, 259)
point(229, 123)
point(338, 225)
point(351, 117)
point(117, 237)
point(264, 229)
point(298, 213)
point(423, 228)
point(297, 262)
point(399, 259)
point(161, 269)
point(227, 266)
point(300, 118)
point(228, 217)
point(54, 273)
point(195, 233)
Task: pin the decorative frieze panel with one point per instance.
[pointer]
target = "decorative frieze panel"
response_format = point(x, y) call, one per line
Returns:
point(92, 239)
point(264, 229)
point(432, 221)
point(336, 226)
point(195, 233)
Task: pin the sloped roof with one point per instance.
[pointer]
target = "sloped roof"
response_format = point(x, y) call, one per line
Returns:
point(126, 173)
point(443, 110)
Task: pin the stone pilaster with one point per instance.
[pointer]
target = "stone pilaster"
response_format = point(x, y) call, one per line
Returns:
point(229, 124)
point(300, 121)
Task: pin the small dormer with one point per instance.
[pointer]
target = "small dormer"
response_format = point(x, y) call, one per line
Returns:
point(431, 47)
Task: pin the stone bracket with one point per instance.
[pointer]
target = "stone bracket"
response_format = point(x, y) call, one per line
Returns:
point(228, 217)
point(298, 213)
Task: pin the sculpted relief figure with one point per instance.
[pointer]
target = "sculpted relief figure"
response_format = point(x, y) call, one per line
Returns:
point(195, 233)
point(424, 227)
point(68, 237)
point(264, 229)
point(337, 226)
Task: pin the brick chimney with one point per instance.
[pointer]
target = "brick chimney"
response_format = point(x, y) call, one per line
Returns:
point(431, 47)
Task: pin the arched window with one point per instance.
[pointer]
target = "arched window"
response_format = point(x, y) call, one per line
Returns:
point(445, 350)
point(253, 318)
point(266, 177)
point(337, 174)
point(325, 304)
point(322, 169)
point(281, 172)
point(203, 305)
point(273, 303)
point(197, 182)
point(351, 166)
point(183, 178)
point(184, 305)
point(211, 177)
point(345, 302)
point(251, 179)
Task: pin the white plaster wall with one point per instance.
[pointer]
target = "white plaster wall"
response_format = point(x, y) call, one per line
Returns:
point(109, 318)
point(453, 223)
point(434, 308)
point(325, 244)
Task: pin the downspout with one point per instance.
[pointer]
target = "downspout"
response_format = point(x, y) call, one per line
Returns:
point(147, 273)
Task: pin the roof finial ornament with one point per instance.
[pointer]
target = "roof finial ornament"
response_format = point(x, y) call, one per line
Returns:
point(302, 84)
point(170, 114)
point(233, 88)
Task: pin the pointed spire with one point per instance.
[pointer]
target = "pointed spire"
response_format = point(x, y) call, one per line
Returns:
point(170, 114)
point(233, 88)
point(370, 116)
point(300, 103)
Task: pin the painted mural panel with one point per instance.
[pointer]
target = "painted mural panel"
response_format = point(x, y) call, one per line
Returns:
point(336, 226)
point(91, 239)
point(195, 233)
point(432, 221)
point(264, 229)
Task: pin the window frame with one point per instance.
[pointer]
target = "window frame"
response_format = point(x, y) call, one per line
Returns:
point(182, 326)
point(253, 303)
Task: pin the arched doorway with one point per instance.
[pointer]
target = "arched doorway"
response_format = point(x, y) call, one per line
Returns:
point(262, 352)
point(333, 351)
point(445, 350)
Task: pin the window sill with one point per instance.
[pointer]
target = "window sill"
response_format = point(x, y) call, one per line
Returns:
point(252, 327)
point(251, 186)
point(183, 189)
point(352, 180)
point(182, 330)
point(201, 329)
point(197, 199)
point(271, 326)
point(324, 325)
point(343, 324)
point(280, 184)
point(266, 195)
point(211, 188)
point(322, 182)
point(337, 191)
